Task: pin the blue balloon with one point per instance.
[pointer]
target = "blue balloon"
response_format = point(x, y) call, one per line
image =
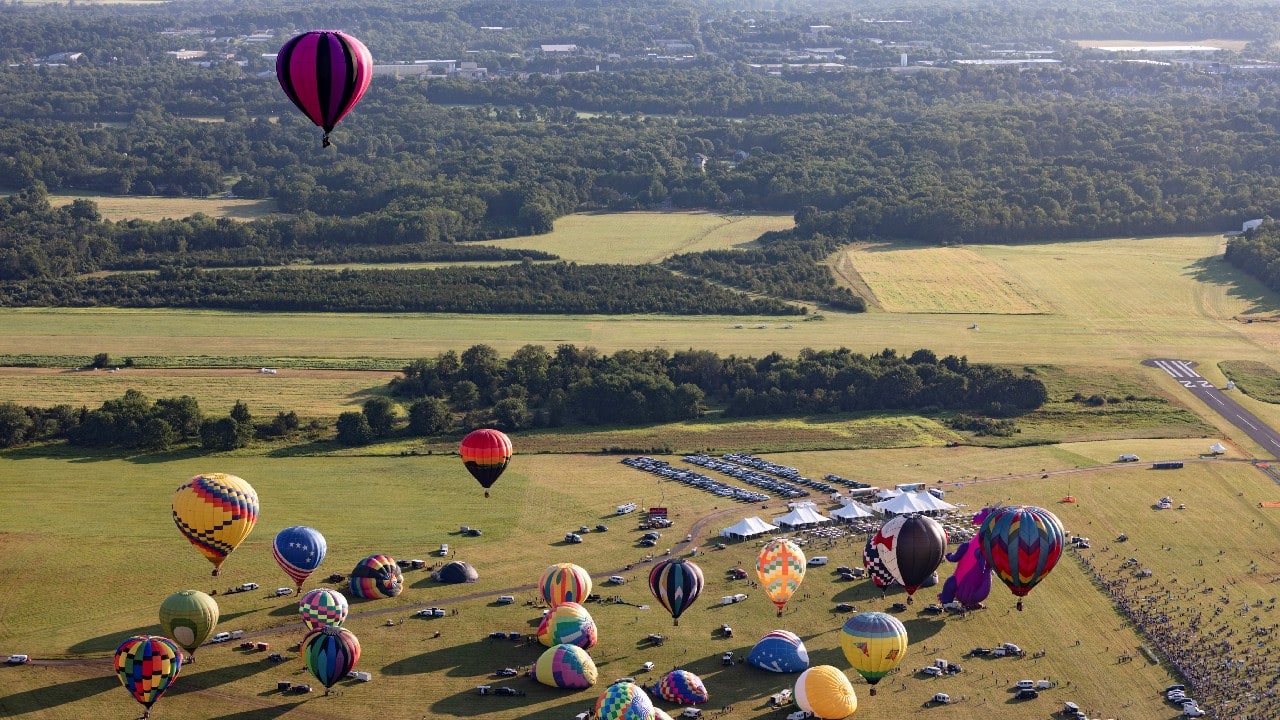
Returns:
point(299, 550)
point(780, 651)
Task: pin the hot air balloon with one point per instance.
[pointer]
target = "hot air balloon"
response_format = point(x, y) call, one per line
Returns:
point(147, 665)
point(376, 576)
point(681, 687)
point(568, 623)
point(1022, 544)
point(564, 582)
point(330, 652)
point(324, 73)
point(911, 547)
point(624, 700)
point(824, 691)
point(675, 583)
point(565, 666)
point(873, 643)
point(321, 607)
point(970, 584)
point(780, 651)
point(299, 550)
point(189, 617)
point(876, 570)
point(216, 512)
point(780, 566)
point(660, 714)
point(486, 453)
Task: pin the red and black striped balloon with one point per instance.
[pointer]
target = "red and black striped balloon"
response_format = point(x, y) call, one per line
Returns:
point(486, 453)
point(324, 73)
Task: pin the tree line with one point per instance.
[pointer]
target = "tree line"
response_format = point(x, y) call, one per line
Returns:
point(1257, 253)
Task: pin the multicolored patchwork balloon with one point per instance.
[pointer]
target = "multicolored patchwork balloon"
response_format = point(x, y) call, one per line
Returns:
point(215, 512)
point(681, 686)
point(568, 623)
point(624, 700)
point(324, 73)
point(376, 576)
point(321, 607)
point(780, 566)
point(330, 653)
point(873, 643)
point(299, 550)
point(189, 617)
point(780, 651)
point(147, 665)
point(824, 691)
point(565, 666)
point(675, 584)
point(486, 453)
point(564, 582)
point(1022, 543)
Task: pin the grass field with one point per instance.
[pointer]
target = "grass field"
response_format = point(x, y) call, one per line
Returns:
point(150, 207)
point(119, 555)
point(637, 238)
point(944, 280)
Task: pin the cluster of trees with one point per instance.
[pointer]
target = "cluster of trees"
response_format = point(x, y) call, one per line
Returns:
point(1257, 253)
point(579, 385)
point(559, 288)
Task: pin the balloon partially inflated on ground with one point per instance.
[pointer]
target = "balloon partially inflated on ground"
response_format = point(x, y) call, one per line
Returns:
point(624, 701)
point(568, 623)
point(321, 607)
point(681, 687)
point(780, 651)
point(188, 617)
point(564, 582)
point(824, 691)
point(376, 576)
point(565, 666)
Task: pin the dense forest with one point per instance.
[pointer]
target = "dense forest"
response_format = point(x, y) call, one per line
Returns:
point(1257, 253)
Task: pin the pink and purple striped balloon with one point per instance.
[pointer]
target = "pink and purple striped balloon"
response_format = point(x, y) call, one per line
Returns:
point(324, 73)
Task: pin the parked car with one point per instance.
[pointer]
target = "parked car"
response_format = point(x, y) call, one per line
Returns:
point(505, 691)
point(248, 586)
point(933, 609)
point(506, 599)
point(817, 560)
point(281, 592)
point(942, 698)
point(507, 672)
point(1027, 694)
point(220, 637)
point(473, 532)
point(602, 528)
point(1193, 712)
point(444, 549)
point(844, 607)
point(931, 671)
point(980, 651)
point(617, 579)
point(275, 657)
point(1025, 684)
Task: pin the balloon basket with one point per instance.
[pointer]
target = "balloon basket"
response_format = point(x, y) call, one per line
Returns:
point(216, 572)
point(873, 690)
point(779, 613)
point(486, 493)
point(1019, 606)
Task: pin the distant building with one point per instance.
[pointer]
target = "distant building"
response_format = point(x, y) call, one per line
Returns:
point(559, 49)
point(187, 54)
point(1250, 224)
point(64, 57)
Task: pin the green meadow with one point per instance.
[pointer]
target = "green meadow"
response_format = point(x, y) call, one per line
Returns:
point(97, 530)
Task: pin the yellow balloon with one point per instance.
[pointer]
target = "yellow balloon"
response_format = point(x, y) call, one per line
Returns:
point(215, 512)
point(824, 691)
point(873, 643)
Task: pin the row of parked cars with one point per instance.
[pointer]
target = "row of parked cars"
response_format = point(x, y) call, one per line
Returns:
point(847, 482)
point(748, 476)
point(785, 472)
point(664, 469)
point(1177, 694)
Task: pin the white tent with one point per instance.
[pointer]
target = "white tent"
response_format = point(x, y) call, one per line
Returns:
point(907, 503)
point(887, 493)
point(852, 511)
point(1217, 448)
point(747, 528)
point(802, 517)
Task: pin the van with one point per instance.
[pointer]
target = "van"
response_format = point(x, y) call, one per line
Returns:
point(1127, 457)
point(617, 579)
point(281, 592)
point(444, 549)
point(691, 713)
point(220, 637)
point(18, 659)
point(506, 599)
point(248, 586)
point(819, 560)
point(360, 675)
point(237, 634)
point(1044, 684)
point(942, 698)
point(1026, 684)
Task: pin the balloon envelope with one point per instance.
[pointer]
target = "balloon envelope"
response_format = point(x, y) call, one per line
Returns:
point(675, 584)
point(457, 571)
point(624, 701)
point(215, 512)
point(565, 666)
point(911, 547)
point(780, 651)
point(324, 73)
point(188, 617)
point(1022, 544)
point(780, 565)
point(330, 653)
point(299, 550)
point(568, 623)
point(873, 643)
point(824, 691)
point(376, 576)
point(564, 582)
point(682, 687)
point(147, 665)
point(876, 569)
point(486, 453)
point(321, 607)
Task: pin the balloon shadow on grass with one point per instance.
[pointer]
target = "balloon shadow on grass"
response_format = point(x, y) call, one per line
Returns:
point(260, 713)
point(475, 660)
point(43, 698)
point(192, 682)
point(922, 628)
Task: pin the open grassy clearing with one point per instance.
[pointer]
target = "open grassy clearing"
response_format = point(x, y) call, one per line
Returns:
point(1256, 379)
point(406, 506)
point(637, 238)
point(150, 207)
point(943, 280)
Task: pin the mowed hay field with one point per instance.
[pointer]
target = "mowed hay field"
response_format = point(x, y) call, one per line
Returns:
point(151, 207)
point(637, 238)
point(117, 554)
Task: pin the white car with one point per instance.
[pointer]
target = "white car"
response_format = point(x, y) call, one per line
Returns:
point(280, 592)
point(617, 579)
point(18, 659)
point(1192, 712)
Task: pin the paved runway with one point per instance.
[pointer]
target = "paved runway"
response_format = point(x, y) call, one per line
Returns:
point(1183, 371)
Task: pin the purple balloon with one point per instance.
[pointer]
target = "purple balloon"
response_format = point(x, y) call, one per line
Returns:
point(970, 584)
